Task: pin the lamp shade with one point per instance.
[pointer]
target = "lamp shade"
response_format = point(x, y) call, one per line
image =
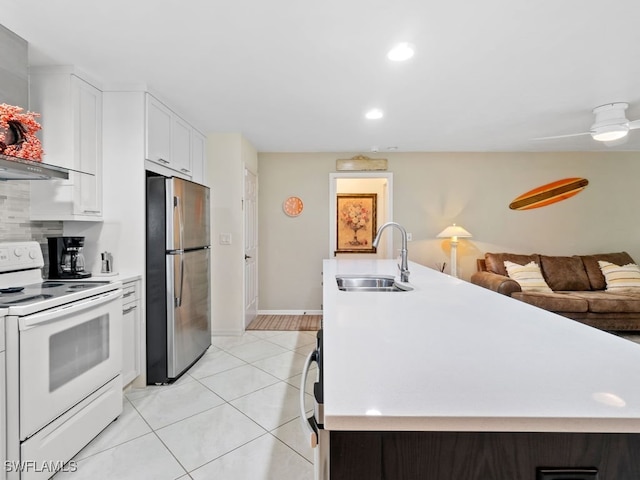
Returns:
point(454, 231)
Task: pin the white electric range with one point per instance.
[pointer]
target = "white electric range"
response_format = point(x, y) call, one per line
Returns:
point(63, 362)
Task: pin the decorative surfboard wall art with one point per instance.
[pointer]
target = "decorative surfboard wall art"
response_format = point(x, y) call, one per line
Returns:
point(550, 193)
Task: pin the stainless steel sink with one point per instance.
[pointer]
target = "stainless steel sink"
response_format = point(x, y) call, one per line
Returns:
point(370, 283)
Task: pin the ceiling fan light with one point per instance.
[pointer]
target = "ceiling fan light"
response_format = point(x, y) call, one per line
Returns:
point(610, 133)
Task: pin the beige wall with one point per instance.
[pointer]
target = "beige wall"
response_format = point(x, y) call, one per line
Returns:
point(227, 156)
point(433, 190)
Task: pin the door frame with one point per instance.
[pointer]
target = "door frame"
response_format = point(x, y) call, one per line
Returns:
point(333, 190)
point(249, 315)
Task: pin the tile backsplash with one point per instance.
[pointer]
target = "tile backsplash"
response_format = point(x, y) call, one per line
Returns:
point(15, 224)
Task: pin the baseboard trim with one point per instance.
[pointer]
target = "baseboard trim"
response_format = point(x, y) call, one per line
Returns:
point(227, 333)
point(289, 312)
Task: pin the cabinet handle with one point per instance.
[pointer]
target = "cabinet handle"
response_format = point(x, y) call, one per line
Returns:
point(91, 211)
point(185, 170)
point(162, 160)
point(130, 309)
point(128, 294)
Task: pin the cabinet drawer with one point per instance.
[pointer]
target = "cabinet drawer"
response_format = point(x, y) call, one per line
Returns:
point(129, 292)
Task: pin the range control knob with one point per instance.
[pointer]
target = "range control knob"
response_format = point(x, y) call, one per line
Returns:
point(32, 254)
point(18, 251)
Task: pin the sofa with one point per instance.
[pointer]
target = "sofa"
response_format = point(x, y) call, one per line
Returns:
point(577, 287)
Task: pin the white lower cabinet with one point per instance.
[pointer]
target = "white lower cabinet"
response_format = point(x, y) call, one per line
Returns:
point(131, 320)
point(3, 406)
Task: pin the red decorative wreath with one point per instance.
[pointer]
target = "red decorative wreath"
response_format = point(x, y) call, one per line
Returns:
point(18, 133)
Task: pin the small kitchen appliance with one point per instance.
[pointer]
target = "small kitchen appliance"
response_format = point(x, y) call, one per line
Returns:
point(65, 257)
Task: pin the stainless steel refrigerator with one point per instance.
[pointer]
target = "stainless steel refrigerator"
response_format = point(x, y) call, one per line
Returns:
point(177, 276)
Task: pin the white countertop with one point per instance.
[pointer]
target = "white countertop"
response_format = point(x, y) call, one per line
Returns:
point(123, 277)
point(452, 356)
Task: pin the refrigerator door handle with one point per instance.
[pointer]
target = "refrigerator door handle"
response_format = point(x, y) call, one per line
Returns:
point(177, 205)
point(179, 284)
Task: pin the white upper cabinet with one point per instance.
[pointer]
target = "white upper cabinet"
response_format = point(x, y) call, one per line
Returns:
point(181, 146)
point(198, 157)
point(158, 144)
point(169, 141)
point(87, 104)
point(71, 119)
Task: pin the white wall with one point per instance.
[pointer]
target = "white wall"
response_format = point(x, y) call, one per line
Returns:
point(228, 154)
point(433, 190)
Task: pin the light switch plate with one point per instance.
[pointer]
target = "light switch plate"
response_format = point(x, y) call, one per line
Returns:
point(225, 239)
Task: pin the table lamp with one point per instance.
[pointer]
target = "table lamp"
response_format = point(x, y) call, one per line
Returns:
point(454, 232)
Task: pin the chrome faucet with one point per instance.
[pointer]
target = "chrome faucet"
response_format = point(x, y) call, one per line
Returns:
point(404, 266)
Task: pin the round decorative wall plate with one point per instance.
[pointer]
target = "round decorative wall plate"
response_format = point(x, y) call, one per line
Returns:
point(293, 206)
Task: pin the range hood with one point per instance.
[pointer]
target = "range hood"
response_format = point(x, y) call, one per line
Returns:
point(14, 168)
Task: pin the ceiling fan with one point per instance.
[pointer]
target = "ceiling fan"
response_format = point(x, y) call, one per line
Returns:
point(610, 126)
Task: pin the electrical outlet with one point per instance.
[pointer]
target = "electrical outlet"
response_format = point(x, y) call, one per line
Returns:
point(409, 237)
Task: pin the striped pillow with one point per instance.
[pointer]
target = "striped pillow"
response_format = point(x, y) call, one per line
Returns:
point(620, 278)
point(528, 276)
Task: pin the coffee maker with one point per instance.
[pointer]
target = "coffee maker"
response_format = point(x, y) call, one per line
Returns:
point(65, 257)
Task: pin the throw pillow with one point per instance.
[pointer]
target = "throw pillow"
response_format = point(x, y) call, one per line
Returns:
point(620, 278)
point(528, 276)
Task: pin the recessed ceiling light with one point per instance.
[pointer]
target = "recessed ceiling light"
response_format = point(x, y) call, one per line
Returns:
point(374, 114)
point(401, 52)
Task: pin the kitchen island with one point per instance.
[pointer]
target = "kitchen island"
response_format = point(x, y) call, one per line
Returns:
point(452, 381)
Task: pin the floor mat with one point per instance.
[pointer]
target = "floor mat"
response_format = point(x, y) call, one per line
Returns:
point(286, 322)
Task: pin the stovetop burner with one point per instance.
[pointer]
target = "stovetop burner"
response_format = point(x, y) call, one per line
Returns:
point(80, 286)
point(11, 289)
point(28, 298)
point(51, 284)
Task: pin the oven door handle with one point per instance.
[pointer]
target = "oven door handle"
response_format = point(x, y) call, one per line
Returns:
point(309, 426)
point(54, 314)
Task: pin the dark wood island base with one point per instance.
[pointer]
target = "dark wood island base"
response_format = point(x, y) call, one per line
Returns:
point(483, 456)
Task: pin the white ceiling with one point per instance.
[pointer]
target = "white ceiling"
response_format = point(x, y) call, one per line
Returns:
point(298, 75)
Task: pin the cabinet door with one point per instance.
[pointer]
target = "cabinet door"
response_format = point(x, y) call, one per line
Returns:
point(3, 419)
point(198, 156)
point(130, 333)
point(181, 146)
point(72, 138)
point(87, 113)
point(158, 132)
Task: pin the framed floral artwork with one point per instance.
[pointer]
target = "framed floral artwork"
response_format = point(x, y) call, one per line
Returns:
point(356, 222)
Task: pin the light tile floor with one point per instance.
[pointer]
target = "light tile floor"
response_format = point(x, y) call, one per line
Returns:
point(234, 415)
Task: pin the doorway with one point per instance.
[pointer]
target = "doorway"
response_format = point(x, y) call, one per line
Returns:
point(380, 183)
point(250, 246)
